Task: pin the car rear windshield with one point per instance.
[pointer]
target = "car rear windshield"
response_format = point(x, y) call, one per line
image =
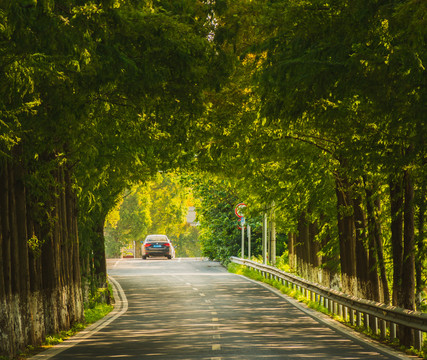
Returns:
point(156, 240)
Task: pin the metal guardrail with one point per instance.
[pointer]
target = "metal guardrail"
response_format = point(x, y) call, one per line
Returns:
point(360, 312)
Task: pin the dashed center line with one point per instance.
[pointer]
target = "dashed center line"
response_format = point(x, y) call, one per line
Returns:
point(216, 347)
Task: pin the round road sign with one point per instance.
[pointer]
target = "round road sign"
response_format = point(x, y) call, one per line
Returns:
point(239, 209)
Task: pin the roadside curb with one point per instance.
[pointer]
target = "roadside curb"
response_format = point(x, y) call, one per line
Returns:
point(120, 307)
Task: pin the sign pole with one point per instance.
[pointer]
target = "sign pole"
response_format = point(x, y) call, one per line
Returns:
point(242, 223)
point(243, 242)
point(249, 241)
point(265, 239)
point(239, 213)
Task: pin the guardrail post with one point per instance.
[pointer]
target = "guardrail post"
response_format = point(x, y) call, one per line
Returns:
point(418, 339)
point(358, 319)
point(351, 316)
point(375, 325)
point(393, 331)
point(331, 306)
point(366, 321)
point(383, 329)
point(340, 310)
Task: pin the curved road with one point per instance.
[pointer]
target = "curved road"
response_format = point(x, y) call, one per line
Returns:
point(193, 309)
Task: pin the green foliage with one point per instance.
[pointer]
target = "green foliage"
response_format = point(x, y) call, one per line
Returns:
point(35, 245)
point(158, 206)
point(96, 313)
point(337, 91)
point(186, 240)
point(276, 97)
point(219, 234)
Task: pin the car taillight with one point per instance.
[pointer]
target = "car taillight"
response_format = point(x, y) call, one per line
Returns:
point(147, 245)
point(167, 244)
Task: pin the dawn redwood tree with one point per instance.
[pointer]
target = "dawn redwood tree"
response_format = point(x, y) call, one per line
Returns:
point(348, 79)
point(90, 100)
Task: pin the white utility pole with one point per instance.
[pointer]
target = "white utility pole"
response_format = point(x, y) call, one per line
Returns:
point(264, 239)
point(242, 224)
point(249, 241)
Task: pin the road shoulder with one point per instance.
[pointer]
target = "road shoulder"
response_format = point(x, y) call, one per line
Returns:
point(337, 326)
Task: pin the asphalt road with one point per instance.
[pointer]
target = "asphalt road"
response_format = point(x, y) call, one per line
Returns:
point(189, 309)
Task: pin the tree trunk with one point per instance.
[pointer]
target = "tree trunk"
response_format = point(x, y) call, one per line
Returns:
point(347, 238)
point(14, 249)
point(5, 239)
point(374, 246)
point(406, 298)
point(22, 244)
point(50, 276)
point(291, 250)
point(315, 247)
point(2, 284)
point(273, 235)
point(98, 245)
point(40, 285)
point(364, 288)
point(421, 253)
point(380, 255)
point(303, 247)
point(315, 260)
point(7, 340)
point(396, 207)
